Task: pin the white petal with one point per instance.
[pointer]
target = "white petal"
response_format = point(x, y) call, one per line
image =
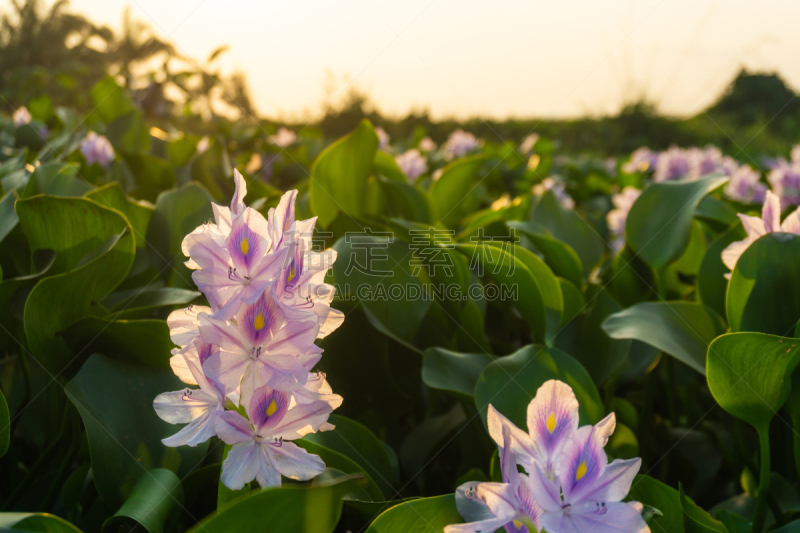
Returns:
point(521, 445)
point(731, 254)
point(791, 224)
point(233, 428)
point(294, 462)
point(771, 212)
point(183, 406)
point(241, 465)
point(616, 481)
point(196, 432)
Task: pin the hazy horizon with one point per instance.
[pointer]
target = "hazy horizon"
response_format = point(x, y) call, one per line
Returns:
point(464, 59)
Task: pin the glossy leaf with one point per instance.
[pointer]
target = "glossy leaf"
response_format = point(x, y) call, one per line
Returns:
point(56, 179)
point(659, 223)
point(711, 282)
point(152, 499)
point(115, 401)
point(110, 100)
point(334, 459)
point(5, 425)
point(656, 494)
point(35, 522)
point(558, 255)
point(451, 192)
point(359, 444)
point(295, 508)
point(696, 520)
point(680, 329)
point(339, 174)
point(145, 342)
point(749, 374)
point(453, 372)
point(764, 290)
point(178, 212)
point(424, 514)
point(8, 215)
point(568, 226)
point(138, 213)
point(510, 383)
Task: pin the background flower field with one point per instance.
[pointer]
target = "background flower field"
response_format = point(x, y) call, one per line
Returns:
point(475, 263)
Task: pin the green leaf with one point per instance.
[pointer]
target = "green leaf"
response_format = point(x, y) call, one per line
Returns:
point(683, 330)
point(749, 374)
point(508, 271)
point(451, 192)
point(152, 499)
point(213, 170)
point(453, 372)
point(8, 215)
point(711, 282)
point(359, 444)
point(696, 520)
point(408, 200)
point(509, 383)
point(138, 213)
point(791, 527)
point(659, 223)
point(343, 463)
point(386, 166)
point(145, 342)
point(110, 100)
point(115, 401)
point(5, 425)
point(652, 492)
point(375, 266)
point(295, 508)
point(134, 303)
point(35, 522)
point(632, 279)
point(545, 279)
point(573, 300)
point(151, 175)
point(587, 342)
point(56, 179)
point(128, 133)
point(339, 174)
point(59, 301)
point(716, 210)
point(73, 227)
point(558, 255)
point(178, 212)
point(764, 290)
point(424, 514)
point(568, 226)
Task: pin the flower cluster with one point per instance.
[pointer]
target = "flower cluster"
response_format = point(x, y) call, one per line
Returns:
point(785, 180)
point(770, 222)
point(459, 144)
point(642, 160)
point(253, 349)
point(97, 149)
point(569, 485)
point(617, 217)
point(412, 163)
point(558, 189)
point(21, 116)
point(745, 186)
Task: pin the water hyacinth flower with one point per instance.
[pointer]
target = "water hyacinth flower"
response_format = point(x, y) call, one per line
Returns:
point(261, 447)
point(770, 222)
point(570, 486)
point(426, 144)
point(642, 160)
point(785, 182)
point(527, 144)
point(259, 347)
point(558, 188)
point(253, 348)
point(21, 116)
point(459, 144)
point(283, 137)
point(490, 506)
point(383, 139)
point(97, 149)
point(412, 163)
point(745, 186)
point(617, 217)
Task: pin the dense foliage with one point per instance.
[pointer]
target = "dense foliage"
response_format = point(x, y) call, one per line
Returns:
point(468, 274)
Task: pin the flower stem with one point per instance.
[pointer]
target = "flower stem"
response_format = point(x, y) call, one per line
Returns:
point(760, 512)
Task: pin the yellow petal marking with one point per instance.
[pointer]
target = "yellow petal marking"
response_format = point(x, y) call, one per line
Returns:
point(581, 471)
point(244, 246)
point(272, 408)
point(291, 274)
point(258, 323)
point(518, 524)
point(551, 422)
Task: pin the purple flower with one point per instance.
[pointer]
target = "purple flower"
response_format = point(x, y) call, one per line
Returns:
point(642, 160)
point(97, 149)
point(412, 163)
point(672, 164)
point(261, 447)
point(459, 144)
point(617, 217)
point(21, 116)
point(426, 144)
point(259, 347)
point(558, 188)
point(785, 182)
point(283, 138)
point(745, 186)
point(770, 222)
point(383, 139)
point(586, 493)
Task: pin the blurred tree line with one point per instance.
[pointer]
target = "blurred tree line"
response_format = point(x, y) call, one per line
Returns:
point(62, 55)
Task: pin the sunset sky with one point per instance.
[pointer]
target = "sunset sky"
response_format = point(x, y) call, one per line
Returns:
point(476, 58)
